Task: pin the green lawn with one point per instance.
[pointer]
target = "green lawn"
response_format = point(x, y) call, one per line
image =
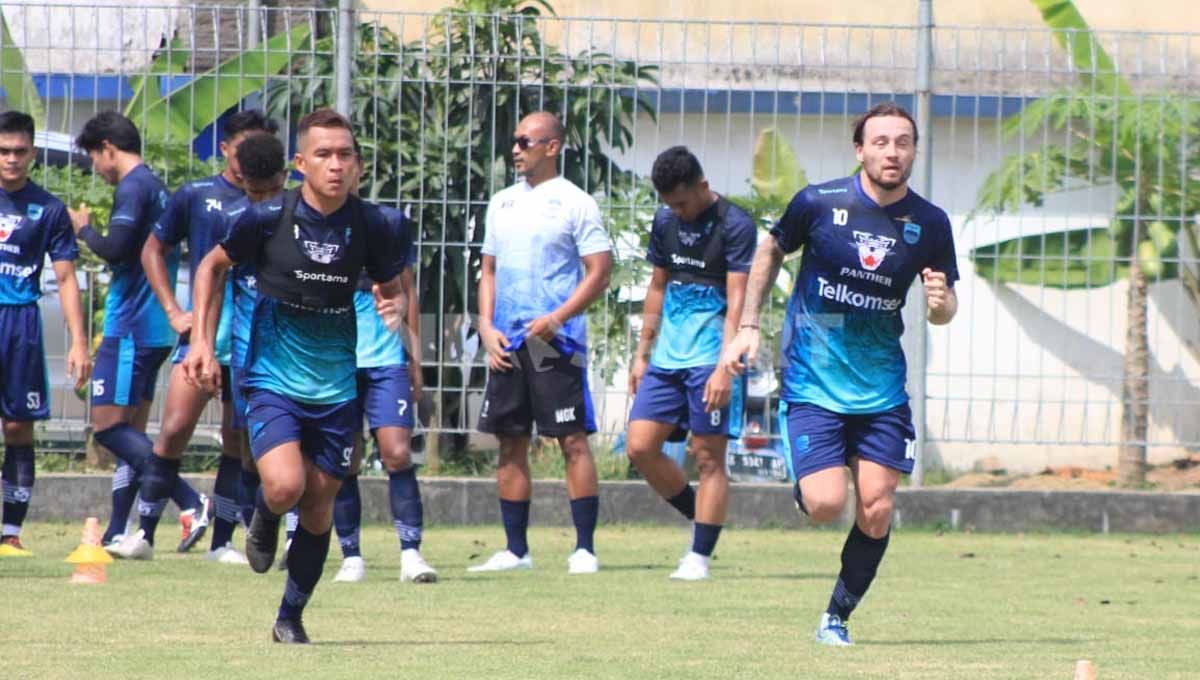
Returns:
point(944, 606)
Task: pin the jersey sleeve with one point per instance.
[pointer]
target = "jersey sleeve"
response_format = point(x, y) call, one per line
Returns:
point(741, 238)
point(62, 245)
point(171, 227)
point(245, 234)
point(129, 204)
point(489, 229)
point(944, 259)
point(656, 250)
point(792, 230)
point(589, 232)
point(387, 245)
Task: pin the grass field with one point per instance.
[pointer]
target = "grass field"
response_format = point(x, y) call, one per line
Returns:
point(944, 606)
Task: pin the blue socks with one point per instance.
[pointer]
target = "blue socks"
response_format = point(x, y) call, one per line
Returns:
point(861, 556)
point(125, 483)
point(226, 489)
point(407, 512)
point(18, 486)
point(704, 538)
point(685, 501)
point(515, 515)
point(347, 516)
point(249, 493)
point(305, 562)
point(584, 513)
point(128, 444)
point(158, 481)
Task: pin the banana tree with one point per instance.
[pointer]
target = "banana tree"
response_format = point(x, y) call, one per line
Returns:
point(1143, 146)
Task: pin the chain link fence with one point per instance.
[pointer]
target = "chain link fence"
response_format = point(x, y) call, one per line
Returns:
point(1056, 174)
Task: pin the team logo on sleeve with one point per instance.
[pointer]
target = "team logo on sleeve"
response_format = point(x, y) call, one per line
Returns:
point(34, 212)
point(9, 224)
point(872, 249)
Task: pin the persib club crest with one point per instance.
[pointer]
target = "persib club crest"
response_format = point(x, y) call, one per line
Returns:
point(322, 253)
point(34, 211)
point(9, 224)
point(912, 233)
point(688, 238)
point(872, 249)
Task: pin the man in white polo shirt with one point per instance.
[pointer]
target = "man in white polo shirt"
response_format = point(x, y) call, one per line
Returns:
point(546, 257)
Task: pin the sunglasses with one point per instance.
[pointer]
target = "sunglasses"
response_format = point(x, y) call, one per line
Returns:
point(525, 143)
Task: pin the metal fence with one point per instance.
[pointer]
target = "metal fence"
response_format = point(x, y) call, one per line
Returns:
point(1033, 370)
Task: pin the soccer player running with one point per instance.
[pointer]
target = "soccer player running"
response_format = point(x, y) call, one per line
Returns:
point(388, 389)
point(701, 246)
point(546, 257)
point(261, 163)
point(195, 213)
point(308, 247)
point(865, 238)
point(33, 224)
point(137, 337)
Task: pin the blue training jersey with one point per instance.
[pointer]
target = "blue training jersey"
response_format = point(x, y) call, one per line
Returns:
point(693, 315)
point(841, 339)
point(539, 237)
point(33, 224)
point(306, 354)
point(131, 308)
point(377, 345)
point(196, 213)
point(241, 295)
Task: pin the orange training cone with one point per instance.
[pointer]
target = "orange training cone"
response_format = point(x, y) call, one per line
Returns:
point(89, 558)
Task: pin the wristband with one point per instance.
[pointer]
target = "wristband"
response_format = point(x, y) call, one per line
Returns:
point(748, 325)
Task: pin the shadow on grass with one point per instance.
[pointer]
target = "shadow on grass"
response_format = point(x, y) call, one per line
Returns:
point(428, 643)
point(980, 641)
point(827, 576)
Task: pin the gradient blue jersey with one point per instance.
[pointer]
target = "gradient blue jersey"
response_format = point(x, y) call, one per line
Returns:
point(131, 308)
point(841, 341)
point(33, 224)
point(304, 354)
point(539, 236)
point(378, 346)
point(245, 296)
point(196, 213)
point(693, 315)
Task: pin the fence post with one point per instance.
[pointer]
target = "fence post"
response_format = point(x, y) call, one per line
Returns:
point(924, 175)
point(345, 48)
point(253, 22)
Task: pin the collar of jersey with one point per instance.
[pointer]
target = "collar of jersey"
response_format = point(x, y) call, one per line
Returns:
point(891, 209)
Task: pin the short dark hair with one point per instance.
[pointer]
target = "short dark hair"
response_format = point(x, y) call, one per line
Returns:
point(260, 156)
point(675, 167)
point(888, 108)
point(245, 121)
point(111, 127)
point(16, 122)
point(323, 118)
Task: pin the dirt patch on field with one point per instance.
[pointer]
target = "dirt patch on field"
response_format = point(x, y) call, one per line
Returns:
point(1178, 475)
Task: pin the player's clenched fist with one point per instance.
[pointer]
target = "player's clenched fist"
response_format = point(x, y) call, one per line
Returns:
point(936, 291)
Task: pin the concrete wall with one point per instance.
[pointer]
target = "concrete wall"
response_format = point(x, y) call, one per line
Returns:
point(473, 501)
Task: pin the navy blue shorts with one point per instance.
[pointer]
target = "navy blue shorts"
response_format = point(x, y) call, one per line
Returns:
point(816, 438)
point(675, 396)
point(26, 392)
point(325, 431)
point(125, 375)
point(385, 397)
